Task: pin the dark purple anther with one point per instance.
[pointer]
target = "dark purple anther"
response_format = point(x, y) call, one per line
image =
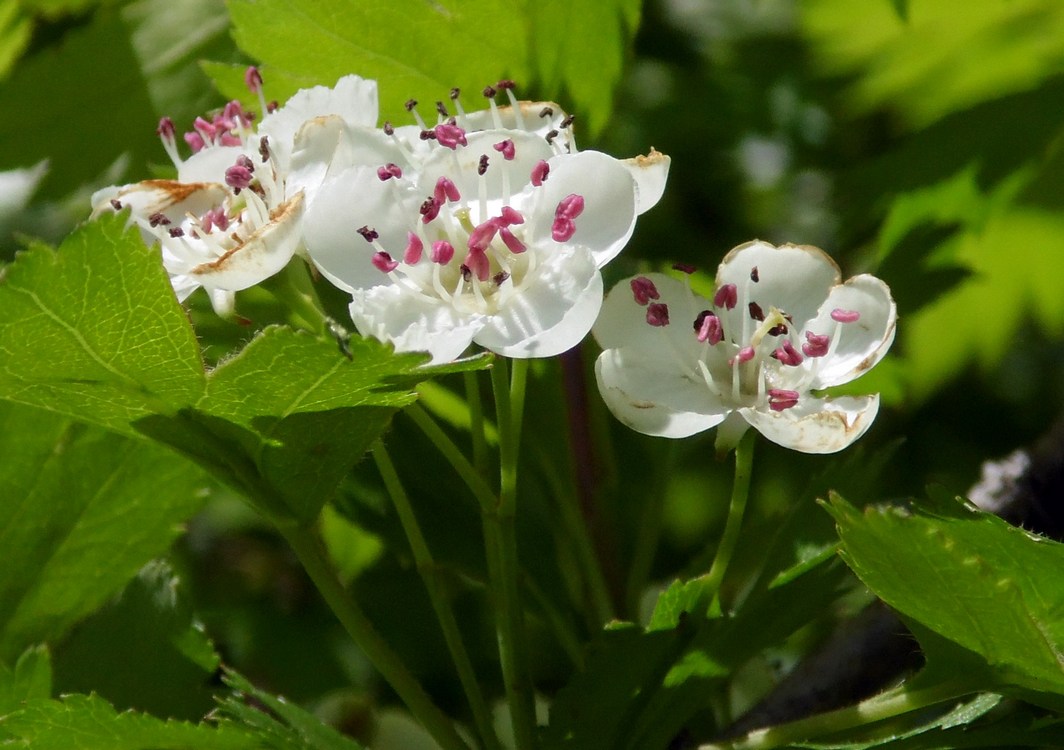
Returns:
point(455, 92)
point(754, 275)
point(815, 345)
point(466, 273)
point(500, 277)
point(383, 262)
point(506, 148)
point(504, 84)
point(410, 104)
point(551, 135)
point(176, 232)
point(489, 92)
point(546, 112)
point(686, 268)
point(727, 297)
point(540, 172)
point(756, 313)
point(482, 165)
point(643, 290)
point(430, 209)
point(264, 148)
point(388, 129)
point(427, 135)
point(778, 330)
point(658, 314)
point(116, 204)
point(441, 108)
point(272, 106)
point(157, 219)
point(567, 121)
point(368, 234)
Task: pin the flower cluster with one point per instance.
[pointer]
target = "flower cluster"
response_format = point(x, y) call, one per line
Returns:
point(780, 327)
point(486, 226)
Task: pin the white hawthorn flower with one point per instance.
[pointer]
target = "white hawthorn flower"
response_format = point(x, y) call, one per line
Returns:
point(233, 216)
point(491, 233)
point(779, 328)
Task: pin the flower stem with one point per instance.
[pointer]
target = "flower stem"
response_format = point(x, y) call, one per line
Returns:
point(883, 706)
point(501, 543)
point(476, 422)
point(426, 566)
point(308, 549)
point(468, 473)
point(294, 289)
point(744, 459)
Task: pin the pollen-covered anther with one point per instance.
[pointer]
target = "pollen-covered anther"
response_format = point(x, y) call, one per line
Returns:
point(708, 328)
point(788, 355)
point(239, 175)
point(429, 210)
point(482, 235)
point(658, 314)
point(450, 135)
point(744, 355)
point(780, 399)
point(442, 252)
point(816, 345)
point(388, 171)
point(513, 244)
point(215, 218)
point(382, 261)
point(727, 297)
point(540, 172)
point(643, 290)
point(506, 148)
point(569, 207)
point(845, 316)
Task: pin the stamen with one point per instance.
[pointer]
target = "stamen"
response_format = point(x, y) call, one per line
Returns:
point(489, 94)
point(510, 216)
point(500, 277)
point(411, 105)
point(551, 135)
point(477, 262)
point(388, 128)
point(441, 108)
point(780, 399)
point(482, 165)
point(756, 313)
point(195, 141)
point(157, 218)
point(754, 275)
point(727, 297)
point(482, 235)
point(383, 262)
point(567, 121)
point(658, 314)
point(264, 148)
point(389, 171)
point(450, 135)
point(445, 189)
point(787, 355)
point(540, 172)
point(442, 252)
point(780, 329)
point(815, 345)
point(506, 148)
point(708, 328)
point(508, 86)
point(414, 246)
point(116, 204)
point(546, 112)
point(643, 290)
point(176, 232)
point(167, 135)
point(430, 209)
point(513, 244)
point(368, 234)
point(684, 268)
point(744, 355)
point(845, 316)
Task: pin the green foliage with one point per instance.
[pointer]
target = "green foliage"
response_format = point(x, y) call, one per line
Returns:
point(30, 679)
point(87, 722)
point(968, 576)
point(82, 511)
point(422, 50)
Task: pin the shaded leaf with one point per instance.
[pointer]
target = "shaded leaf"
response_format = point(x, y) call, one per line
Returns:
point(81, 511)
point(30, 679)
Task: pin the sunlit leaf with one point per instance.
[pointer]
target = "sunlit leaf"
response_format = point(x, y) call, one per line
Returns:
point(30, 679)
point(970, 577)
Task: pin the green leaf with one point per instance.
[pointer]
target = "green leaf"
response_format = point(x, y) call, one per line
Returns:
point(87, 722)
point(62, 99)
point(142, 651)
point(15, 32)
point(934, 59)
point(970, 577)
point(94, 331)
point(81, 511)
point(30, 679)
point(285, 727)
point(580, 46)
point(415, 49)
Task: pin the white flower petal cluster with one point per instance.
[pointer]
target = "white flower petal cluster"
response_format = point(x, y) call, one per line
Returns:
point(234, 215)
point(485, 227)
point(781, 326)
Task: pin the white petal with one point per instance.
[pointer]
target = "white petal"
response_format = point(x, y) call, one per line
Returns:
point(623, 322)
point(608, 189)
point(353, 199)
point(171, 198)
point(17, 187)
point(264, 253)
point(816, 425)
point(653, 398)
point(223, 302)
point(413, 323)
point(550, 313)
point(860, 344)
point(649, 173)
point(354, 99)
point(794, 278)
point(538, 118)
point(209, 164)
